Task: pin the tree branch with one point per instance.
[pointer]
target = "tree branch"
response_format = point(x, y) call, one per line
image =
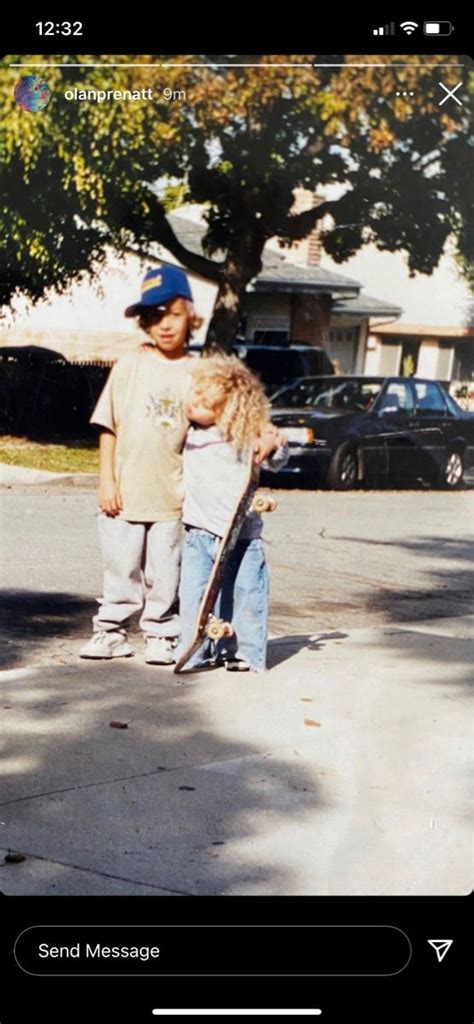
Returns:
point(159, 231)
point(191, 260)
point(299, 225)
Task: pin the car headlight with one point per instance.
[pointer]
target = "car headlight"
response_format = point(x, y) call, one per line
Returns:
point(298, 435)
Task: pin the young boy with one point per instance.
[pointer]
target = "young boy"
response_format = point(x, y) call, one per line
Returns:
point(227, 409)
point(142, 431)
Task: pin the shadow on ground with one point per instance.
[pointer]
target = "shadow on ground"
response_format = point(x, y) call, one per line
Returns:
point(184, 800)
point(284, 648)
point(31, 622)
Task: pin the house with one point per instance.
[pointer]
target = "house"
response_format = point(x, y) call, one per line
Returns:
point(430, 325)
point(434, 351)
point(434, 334)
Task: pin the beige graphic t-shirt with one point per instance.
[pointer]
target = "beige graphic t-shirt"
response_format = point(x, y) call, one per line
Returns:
point(142, 403)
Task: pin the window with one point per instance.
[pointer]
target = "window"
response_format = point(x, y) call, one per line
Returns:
point(334, 394)
point(396, 398)
point(429, 400)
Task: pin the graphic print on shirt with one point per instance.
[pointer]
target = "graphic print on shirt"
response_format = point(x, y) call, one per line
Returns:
point(165, 411)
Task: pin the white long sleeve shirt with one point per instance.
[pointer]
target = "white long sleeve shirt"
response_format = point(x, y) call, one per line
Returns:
point(214, 475)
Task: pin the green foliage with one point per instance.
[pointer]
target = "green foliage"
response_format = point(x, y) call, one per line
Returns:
point(83, 176)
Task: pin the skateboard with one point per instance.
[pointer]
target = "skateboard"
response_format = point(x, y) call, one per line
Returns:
point(207, 625)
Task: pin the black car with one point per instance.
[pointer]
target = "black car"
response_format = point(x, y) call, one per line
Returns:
point(279, 364)
point(375, 430)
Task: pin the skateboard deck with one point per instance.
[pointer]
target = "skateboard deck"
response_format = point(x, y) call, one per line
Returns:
point(207, 626)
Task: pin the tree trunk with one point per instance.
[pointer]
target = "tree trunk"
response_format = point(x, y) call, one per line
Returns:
point(243, 263)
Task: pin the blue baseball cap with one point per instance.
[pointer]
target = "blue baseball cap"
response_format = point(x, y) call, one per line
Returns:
point(159, 285)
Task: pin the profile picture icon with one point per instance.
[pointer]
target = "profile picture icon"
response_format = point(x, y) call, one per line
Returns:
point(32, 93)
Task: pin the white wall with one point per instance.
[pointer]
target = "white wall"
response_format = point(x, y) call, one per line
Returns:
point(428, 360)
point(442, 299)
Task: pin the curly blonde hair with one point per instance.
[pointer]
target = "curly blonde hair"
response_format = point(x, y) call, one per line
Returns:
point(239, 397)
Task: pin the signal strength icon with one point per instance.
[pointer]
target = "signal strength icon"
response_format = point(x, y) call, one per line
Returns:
point(409, 27)
point(385, 30)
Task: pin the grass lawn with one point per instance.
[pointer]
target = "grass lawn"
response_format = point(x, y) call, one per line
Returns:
point(75, 457)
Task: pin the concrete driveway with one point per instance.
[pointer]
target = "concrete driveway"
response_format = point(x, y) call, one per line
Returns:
point(343, 770)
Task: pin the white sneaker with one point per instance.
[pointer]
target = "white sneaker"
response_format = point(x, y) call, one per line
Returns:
point(237, 665)
point(160, 650)
point(105, 644)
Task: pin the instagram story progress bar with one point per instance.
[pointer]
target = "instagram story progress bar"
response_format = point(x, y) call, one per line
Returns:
point(237, 1013)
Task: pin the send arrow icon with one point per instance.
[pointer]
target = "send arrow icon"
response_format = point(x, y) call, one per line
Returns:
point(440, 947)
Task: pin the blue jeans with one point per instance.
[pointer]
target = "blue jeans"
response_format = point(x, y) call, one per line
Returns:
point(243, 599)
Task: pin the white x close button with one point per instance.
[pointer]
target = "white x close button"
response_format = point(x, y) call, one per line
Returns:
point(450, 94)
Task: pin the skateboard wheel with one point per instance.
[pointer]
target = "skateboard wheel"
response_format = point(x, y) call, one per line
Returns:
point(217, 629)
point(263, 503)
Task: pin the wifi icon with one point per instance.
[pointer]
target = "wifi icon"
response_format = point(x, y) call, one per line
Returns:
point(408, 27)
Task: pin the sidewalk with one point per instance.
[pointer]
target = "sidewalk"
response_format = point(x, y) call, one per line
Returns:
point(343, 770)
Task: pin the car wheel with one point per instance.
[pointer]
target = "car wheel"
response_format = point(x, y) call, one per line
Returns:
point(343, 470)
point(452, 472)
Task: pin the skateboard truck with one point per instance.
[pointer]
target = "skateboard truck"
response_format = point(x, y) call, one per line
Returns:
point(263, 503)
point(216, 629)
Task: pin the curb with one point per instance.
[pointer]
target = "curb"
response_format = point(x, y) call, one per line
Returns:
point(11, 476)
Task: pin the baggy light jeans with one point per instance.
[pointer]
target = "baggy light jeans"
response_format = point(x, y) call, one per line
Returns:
point(243, 599)
point(141, 573)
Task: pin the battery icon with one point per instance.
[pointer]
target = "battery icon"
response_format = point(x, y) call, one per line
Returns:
point(437, 28)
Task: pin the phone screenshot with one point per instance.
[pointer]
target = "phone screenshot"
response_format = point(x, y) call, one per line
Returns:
point(237, 499)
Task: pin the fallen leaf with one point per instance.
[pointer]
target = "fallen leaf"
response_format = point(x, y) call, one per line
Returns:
point(310, 721)
point(14, 858)
point(118, 725)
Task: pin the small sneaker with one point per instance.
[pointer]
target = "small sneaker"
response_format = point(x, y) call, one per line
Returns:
point(237, 665)
point(160, 650)
point(105, 644)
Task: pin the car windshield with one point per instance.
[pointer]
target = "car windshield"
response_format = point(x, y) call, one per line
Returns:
point(328, 394)
point(453, 406)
